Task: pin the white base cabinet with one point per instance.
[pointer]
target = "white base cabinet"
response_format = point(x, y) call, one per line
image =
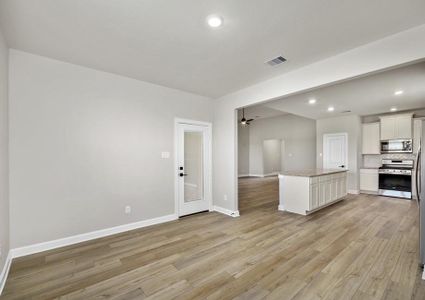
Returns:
point(304, 195)
point(369, 181)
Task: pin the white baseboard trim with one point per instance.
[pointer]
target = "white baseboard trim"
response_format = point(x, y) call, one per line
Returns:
point(40, 247)
point(271, 174)
point(368, 192)
point(354, 192)
point(5, 271)
point(281, 208)
point(423, 275)
point(243, 175)
point(226, 211)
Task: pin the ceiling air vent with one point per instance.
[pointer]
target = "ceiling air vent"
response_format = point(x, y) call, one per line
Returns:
point(276, 61)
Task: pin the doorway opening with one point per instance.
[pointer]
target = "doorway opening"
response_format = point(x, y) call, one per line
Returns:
point(273, 142)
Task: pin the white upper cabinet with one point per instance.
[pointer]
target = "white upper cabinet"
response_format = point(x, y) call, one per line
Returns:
point(404, 126)
point(396, 127)
point(387, 128)
point(371, 139)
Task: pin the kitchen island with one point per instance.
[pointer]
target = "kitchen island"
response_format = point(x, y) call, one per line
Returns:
point(306, 191)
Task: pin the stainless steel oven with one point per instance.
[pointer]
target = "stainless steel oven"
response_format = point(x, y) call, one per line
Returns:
point(395, 178)
point(397, 146)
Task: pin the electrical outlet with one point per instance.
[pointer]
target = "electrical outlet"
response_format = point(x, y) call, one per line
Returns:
point(127, 209)
point(225, 197)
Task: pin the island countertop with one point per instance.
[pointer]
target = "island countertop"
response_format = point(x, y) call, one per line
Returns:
point(312, 172)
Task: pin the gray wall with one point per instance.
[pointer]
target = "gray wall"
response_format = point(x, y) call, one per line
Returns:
point(352, 126)
point(4, 157)
point(84, 144)
point(243, 150)
point(299, 135)
point(272, 156)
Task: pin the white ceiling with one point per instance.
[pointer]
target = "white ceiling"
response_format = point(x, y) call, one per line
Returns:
point(373, 94)
point(167, 42)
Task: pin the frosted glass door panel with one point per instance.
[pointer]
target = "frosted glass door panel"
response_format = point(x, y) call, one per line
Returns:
point(193, 166)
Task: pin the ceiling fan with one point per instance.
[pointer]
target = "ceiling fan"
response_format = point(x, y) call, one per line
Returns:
point(244, 121)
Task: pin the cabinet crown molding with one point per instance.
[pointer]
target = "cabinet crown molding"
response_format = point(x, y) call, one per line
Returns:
point(397, 115)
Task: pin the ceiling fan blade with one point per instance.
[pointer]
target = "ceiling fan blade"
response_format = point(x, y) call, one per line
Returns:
point(250, 120)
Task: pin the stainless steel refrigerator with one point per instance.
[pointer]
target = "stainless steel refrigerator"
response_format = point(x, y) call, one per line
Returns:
point(420, 192)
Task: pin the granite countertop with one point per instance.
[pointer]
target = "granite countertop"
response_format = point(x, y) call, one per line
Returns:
point(312, 172)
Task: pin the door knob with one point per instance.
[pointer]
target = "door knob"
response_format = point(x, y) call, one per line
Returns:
point(342, 166)
point(182, 174)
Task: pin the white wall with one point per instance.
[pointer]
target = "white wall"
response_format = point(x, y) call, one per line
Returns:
point(299, 135)
point(4, 156)
point(243, 150)
point(272, 157)
point(353, 127)
point(84, 144)
point(389, 52)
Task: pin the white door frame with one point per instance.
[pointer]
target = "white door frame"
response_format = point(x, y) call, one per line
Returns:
point(346, 146)
point(207, 162)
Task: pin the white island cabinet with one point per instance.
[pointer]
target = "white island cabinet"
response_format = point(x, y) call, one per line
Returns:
point(303, 192)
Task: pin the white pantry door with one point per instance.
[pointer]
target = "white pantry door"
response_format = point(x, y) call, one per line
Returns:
point(335, 151)
point(193, 168)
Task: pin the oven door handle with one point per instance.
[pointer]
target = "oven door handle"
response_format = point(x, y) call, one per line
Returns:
point(395, 174)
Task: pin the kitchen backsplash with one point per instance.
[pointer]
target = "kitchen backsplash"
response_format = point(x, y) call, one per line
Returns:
point(374, 161)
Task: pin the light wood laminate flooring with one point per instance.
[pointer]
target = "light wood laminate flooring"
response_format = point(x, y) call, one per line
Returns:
point(365, 247)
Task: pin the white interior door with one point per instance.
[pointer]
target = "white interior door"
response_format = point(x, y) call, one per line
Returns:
point(335, 151)
point(193, 168)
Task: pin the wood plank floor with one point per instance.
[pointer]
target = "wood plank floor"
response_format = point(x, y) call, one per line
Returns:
point(365, 247)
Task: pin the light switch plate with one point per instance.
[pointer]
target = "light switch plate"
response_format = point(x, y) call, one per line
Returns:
point(165, 154)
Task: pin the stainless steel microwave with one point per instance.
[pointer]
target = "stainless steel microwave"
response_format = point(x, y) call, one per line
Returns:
point(397, 146)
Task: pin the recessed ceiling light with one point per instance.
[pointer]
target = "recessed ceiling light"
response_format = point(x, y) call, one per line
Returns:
point(393, 109)
point(399, 92)
point(331, 108)
point(312, 101)
point(214, 21)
